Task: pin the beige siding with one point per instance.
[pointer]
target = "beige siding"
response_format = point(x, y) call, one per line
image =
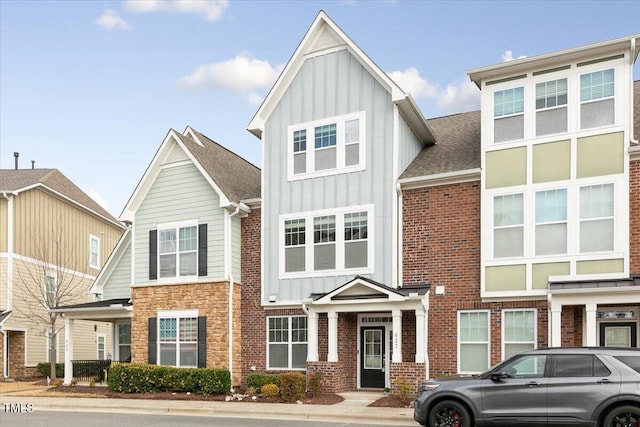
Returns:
point(3, 284)
point(506, 278)
point(601, 155)
point(600, 267)
point(541, 273)
point(552, 161)
point(506, 168)
point(42, 219)
point(3, 224)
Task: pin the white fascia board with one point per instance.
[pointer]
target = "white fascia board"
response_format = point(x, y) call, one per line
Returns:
point(189, 131)
point(415, 119)
point(554, 58)
point(634, 152)
point(111, 263)
point(446, 178)
point(327, 299)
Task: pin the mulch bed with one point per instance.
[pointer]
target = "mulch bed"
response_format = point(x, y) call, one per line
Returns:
point(392, 401)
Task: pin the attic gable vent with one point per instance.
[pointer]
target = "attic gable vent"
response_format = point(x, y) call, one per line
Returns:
point(327, 39)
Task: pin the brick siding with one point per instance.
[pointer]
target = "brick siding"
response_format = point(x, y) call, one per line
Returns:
point(634, 223)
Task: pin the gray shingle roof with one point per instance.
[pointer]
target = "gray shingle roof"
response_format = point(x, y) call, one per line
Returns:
point(457, 146)
point(18, 179)
point(237, 178)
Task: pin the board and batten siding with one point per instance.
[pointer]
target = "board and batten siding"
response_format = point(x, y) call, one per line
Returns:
point(408, 146)
point(326, 86)
point(118, 284)
point(180, 193)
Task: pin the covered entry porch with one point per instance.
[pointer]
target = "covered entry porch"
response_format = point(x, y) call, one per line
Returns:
point(366, 335)
point(607, 311)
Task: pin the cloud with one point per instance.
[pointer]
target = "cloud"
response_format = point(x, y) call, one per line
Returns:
point(110, 20)
point(507, 55)
point(93, 193)
point(460, 95)
point(211, 10)
point(242, 74)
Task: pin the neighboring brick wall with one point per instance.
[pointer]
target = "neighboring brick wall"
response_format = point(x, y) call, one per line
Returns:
point(335, 376)
point(210, 299)
point(634, 222)
point(17, 355)
point(411, 373)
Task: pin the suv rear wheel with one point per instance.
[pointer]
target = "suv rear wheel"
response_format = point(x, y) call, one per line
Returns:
point(623, 416)
point(450, 413)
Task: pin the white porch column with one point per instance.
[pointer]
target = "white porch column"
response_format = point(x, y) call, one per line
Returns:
point(332, 355)
point(556, 325)
point(420, 336)
point(397, 336)
point(312, 339)
point(68, 351)
point(590, 325)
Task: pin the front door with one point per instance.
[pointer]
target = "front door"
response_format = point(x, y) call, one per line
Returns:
point(372, 360)
point(618, 334)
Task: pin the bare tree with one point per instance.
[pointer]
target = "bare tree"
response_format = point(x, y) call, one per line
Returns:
point(51, 279)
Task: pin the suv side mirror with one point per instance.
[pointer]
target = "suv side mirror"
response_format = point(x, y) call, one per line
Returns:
point(499, 375)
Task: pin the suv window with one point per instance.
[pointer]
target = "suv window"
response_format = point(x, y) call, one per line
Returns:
point(579, 365)
point(530, 366)
point(631, 361)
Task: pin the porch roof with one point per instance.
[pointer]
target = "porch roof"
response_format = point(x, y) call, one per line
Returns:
point(558, 285)
point(4, 315)
point(106, 310)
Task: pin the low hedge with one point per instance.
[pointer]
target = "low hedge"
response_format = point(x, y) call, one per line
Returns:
point(258, 380)
point(293, 386)
point(45, 369)
point(142, 378)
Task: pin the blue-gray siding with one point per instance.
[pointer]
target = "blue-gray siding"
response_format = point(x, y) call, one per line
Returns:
point(408, 148)
point(118, 284)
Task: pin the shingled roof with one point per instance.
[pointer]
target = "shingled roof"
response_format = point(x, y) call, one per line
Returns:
point(17, 180)
point(457, 146)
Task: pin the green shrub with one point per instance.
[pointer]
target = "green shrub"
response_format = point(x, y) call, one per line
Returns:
point(270, 390)
point(258, 380)
point(315, 383)
point(293, 386)
point(45, 369)
point(141, 378)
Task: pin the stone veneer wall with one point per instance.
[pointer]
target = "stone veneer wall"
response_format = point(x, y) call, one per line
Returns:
point(210, 299)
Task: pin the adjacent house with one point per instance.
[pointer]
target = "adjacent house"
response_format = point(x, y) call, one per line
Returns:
point(172, 287)
point(54, 239)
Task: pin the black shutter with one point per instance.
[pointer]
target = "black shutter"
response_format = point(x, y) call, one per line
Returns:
point(202, 250)
point(152, 344)
point(153, 254)
point(202, 342)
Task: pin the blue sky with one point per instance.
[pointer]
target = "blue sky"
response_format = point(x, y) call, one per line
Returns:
point(92, 87)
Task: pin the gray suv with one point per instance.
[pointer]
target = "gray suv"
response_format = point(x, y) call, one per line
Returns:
point(598, 387)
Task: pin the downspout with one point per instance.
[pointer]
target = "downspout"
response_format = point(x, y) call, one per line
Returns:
point(229, 273)
point(425, 306)
point(631, 62)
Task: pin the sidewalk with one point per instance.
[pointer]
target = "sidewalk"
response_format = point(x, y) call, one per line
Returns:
point(353, 409)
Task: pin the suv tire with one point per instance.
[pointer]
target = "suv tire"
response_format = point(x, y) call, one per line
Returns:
point(623, 416)
point(449, 413)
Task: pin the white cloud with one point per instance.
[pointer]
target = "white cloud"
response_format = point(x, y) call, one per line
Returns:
point(242, 74)
point(93, 193)
point(507, 55)
point(111, 20)
point(460, 95)
point(211, 10)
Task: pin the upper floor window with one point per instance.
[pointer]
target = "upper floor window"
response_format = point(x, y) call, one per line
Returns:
point(178, 250)
point(50, 290)
point(94, 252)
point(508, 226)
point(551, 107)
point(551, 222)
point(337, 146)
point(326, 241)
point(508, 114)
point(597, 91)
point(596, 218)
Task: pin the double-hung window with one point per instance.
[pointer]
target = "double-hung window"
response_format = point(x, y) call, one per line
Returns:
point(94, 252)
point(518, 331)
point(50, 290)
point(294, 242)
point(355, 240)
point(287, 342)
point(124, 342)
point(551, 222)
point(177, 251)
point(178, 340)
point(596, 218)
point(508, 226)
point(328, 146)
point(473, 341)
point(508, 114)
point(551, 107)
point(324, 242)
point(597, 93)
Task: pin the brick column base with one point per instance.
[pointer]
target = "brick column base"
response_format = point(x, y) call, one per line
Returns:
point(413, 374)
point(334, 376)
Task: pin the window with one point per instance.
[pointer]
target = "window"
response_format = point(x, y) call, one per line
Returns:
point(94, 252)
point(597, 92)
point(508, 223)
point(287, 342)
point(178, 341)
point(178, 251)
point(551, 222)
point(124, 342)
point(579, 365)
point(332, 241)
point(631, 361)
point(473, 341)
point(508, 113)
point(337, 146)
point(50, 290)
point(596, 218)
point(101, 346)
point(551, 107)
point(518, 331)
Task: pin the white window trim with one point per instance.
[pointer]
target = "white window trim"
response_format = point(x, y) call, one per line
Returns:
point(93, 238)
point(614, 217)
point(176, 226)
point(495, 227)
point(175, 314)
point(340, 146)
point(118, 343)
point(104, 337)
point(289, 343)
point(308, 216)
point(488, 312)
point(535, 329)
point(520, 84)
point(555, 222)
